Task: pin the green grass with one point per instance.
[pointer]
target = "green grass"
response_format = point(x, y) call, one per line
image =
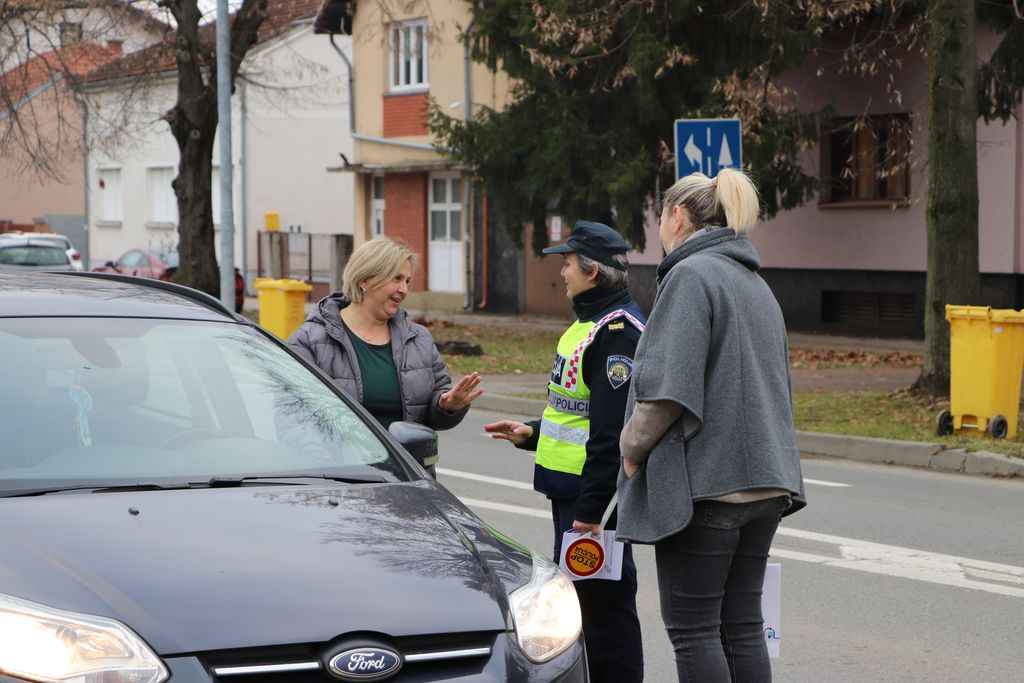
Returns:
point(888, 415)
point(885, 415)
point(506, 350)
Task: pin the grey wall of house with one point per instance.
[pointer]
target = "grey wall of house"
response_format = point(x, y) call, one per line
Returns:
point(808, 297)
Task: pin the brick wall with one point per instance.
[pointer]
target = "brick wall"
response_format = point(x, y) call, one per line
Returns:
point(405, 217)
point(405, 115)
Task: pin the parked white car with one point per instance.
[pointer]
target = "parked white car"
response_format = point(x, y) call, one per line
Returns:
point(61, 240)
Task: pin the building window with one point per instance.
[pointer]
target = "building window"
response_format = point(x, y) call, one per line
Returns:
point(445, 209)
point(163, 205)
point(70, 33)
point(377, 211)
point(407, 50)
point(111, 201)
point(868, 159)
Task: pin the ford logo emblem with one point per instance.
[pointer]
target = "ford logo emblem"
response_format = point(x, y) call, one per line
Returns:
point(365, 664)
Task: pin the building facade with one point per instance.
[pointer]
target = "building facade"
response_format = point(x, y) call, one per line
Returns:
point(405, 55)
point(286, 133)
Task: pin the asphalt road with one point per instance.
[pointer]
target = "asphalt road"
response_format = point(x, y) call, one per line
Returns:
point(889, 574)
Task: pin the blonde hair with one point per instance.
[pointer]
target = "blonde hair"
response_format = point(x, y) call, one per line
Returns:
point(376, 262)
point(730, 199)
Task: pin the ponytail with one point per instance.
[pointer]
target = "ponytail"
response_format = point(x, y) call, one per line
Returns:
point(738, 199)
point(730, 199)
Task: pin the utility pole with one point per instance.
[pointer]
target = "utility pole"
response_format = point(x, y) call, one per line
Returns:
point(227, 207)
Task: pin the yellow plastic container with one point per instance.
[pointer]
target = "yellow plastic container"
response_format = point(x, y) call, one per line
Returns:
point(272, 221)
point(986, 357)
point(282, 304)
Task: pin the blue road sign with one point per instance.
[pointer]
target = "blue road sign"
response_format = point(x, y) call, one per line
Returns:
point(707, 145)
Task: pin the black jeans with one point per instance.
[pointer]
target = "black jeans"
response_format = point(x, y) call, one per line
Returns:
point(710, 576)
point(611, 627)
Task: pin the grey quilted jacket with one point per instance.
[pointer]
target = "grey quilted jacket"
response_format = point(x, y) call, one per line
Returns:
point(422, 375)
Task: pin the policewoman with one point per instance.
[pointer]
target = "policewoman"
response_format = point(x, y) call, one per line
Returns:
point(577, 439)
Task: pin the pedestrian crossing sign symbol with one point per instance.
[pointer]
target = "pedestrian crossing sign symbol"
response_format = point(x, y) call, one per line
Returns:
point(707, 145)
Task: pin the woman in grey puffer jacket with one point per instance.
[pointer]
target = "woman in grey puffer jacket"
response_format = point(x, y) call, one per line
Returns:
point(368, 345)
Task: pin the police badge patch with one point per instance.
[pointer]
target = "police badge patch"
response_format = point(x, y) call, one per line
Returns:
point(619, 368)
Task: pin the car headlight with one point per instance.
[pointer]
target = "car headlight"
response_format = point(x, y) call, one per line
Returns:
point(40, 643)
point(546, 612)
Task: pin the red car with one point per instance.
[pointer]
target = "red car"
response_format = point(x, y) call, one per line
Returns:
point(141, 263)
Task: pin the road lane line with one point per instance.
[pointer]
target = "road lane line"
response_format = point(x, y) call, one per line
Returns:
point(857, 548)
point(866, 556)
point(460, 474)
point(505, 507)
point(484, 478)
point(830, 484)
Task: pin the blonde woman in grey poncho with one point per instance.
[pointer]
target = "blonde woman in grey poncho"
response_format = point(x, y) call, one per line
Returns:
point(710, 462)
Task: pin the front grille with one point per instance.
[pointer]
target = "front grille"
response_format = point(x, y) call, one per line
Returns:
point(434, 657)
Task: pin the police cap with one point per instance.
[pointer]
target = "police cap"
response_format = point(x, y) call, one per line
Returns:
point(595, 241)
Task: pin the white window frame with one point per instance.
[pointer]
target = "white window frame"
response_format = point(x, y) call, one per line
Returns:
point(405, 37)
point(377, 207)
point(165, 213)
point(111, 194)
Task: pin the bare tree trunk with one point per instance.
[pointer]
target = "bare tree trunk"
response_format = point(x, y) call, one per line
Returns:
point(952, 208)
point(193, 121)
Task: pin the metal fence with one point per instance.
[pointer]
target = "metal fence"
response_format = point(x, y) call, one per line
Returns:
point(301, 256)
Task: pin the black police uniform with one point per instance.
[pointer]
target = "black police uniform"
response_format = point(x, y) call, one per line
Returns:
point(611, 626)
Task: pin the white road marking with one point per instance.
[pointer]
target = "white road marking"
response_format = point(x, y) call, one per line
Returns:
point(830, 484)
point(866, 556)
point(505, 507)
point(459, 474)
point(484, 478)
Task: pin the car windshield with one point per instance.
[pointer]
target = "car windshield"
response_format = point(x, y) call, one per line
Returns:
point(30, 255)
point(116, 401)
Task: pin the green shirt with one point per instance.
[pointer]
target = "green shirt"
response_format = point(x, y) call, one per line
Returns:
point(382, 394)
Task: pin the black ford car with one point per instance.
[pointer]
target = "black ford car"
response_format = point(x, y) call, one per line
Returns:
point(182, 499)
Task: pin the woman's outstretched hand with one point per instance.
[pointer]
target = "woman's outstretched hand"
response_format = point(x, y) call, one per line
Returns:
point(509, 430)
point(465, 391)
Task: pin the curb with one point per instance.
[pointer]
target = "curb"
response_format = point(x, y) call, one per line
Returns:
point(864, 449)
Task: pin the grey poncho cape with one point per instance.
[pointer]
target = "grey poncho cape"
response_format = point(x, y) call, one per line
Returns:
point(716, 345)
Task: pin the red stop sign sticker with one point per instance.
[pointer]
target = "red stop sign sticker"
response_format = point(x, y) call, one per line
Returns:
point(584, 557)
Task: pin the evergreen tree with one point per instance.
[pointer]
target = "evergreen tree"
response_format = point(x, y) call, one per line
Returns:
point(597, 86)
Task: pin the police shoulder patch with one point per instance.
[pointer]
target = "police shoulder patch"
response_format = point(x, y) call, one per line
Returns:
point(618, 369)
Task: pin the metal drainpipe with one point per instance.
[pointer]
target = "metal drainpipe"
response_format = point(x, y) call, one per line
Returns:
point(352, 111)
point(468, 194)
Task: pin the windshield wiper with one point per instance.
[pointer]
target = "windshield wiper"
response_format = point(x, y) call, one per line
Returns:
point(213, 483)
point(224, 482)
point(42, 491)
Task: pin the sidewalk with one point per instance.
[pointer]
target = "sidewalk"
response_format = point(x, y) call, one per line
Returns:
point(502, 396)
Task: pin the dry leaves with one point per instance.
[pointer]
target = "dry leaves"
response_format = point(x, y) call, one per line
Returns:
point(816, 359)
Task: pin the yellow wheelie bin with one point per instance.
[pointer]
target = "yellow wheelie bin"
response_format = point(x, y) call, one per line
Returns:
point(282, 304)
point(986, 349)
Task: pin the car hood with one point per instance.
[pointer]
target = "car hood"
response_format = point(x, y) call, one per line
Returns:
point(209, 569)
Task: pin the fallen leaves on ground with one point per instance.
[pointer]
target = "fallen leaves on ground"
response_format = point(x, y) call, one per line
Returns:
point(816, 359)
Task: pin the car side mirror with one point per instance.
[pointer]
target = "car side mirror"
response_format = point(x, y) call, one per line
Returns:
point(420, 441)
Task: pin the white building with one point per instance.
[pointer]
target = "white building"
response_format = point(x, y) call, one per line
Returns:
point(289, 123)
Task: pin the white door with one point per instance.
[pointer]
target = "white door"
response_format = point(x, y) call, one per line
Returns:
point(445, 263)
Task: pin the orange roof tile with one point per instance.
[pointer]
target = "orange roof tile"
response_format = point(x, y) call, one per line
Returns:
point(281, 17)
point(74, 60)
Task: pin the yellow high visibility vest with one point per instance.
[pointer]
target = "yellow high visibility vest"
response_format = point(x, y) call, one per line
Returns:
point(565, 425)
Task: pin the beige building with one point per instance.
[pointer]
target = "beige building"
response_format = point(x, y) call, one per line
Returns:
point(406, 54)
